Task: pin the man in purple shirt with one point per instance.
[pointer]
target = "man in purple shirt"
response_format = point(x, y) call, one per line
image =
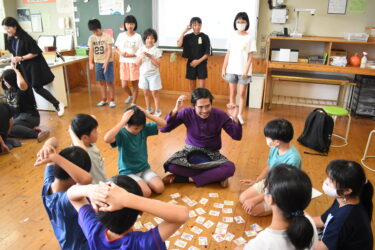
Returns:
point(200, 161)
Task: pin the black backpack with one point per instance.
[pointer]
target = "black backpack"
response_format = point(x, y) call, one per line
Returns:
point(318, 130)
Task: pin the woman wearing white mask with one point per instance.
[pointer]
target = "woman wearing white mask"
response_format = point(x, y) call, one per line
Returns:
point(346, 224)
point(236, 67)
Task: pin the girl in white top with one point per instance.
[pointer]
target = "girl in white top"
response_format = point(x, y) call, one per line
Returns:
point(149, 57)
point(288, 191)
point(126, 46)
point(237, 62)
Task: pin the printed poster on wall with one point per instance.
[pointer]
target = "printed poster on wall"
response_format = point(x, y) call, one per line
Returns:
point(111, 7)
point(24, 19)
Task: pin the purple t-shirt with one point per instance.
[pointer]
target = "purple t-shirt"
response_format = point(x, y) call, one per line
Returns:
point(204, 133)
point(96, 235)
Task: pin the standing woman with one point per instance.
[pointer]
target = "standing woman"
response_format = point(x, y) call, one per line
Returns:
point(236, 68)
point(30, 60)
point(347, 223)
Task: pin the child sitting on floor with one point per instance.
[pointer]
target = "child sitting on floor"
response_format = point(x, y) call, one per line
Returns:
point(278, 133)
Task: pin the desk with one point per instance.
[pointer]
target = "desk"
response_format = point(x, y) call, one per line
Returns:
point(309, 46)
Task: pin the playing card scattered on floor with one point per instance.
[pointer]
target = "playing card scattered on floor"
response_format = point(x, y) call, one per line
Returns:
point(208, 224)
point(173, 202)
point(200, 220)
point(239, 219)
point(187, 236)
point(149, 225)
point(227, 210)
point(228, 219)
point(218, 205)
point(200, 211)
point(167, 243)
point(218, 237)
point(180, 243)
point(158, 220)
point(192, 214)
point(256, 227)
point(203, 241)
point(250, 233)
point(176, 233)
point(175, 195)
point(196, 230)
point(214, 213)
point(239, 241)
point(229, 236)
point(228, 203)
point(193, 248)
point(213, 195)
point(203, 201)
point(137, 225)
point(222, 225)
point(222, 231)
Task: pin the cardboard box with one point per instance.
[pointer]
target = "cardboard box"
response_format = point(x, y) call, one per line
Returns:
point(284, 55)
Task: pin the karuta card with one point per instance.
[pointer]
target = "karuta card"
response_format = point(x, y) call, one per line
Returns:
point(200, 220)
point(175, 195)
point(228, 203)
point(149, 225)
point(214, 213)
point(137, 225)
point(213, 195)
point(180, 243)
point(187, 236)
point(256, 227)
point(229, 236)
point(191, 203)
point(158, 220)
point(250, 233)
point(167, 242)
point(193, 248)
point(192, 214)
point(203, 241)
point(218, 237)
point(196, 230)
point(218, 205)
point(239, 219)
point(228, 219)
point(208, 224)
point(227, 210)
point(200, 211)
point(222, 225)
point(222, 231)
point(203, 201)
point(176, 233)
point(172, 202)
point(239, 241)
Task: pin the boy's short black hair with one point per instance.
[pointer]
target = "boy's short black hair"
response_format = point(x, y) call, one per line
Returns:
point(121, 220)
point(279, 129)
point(76, 155)
point(195, 20)
point(150, 32)
point(130, 19)
point(200, 93)
point(94, 24)
point(138, 118)
point(243, 16)
point(83, 124)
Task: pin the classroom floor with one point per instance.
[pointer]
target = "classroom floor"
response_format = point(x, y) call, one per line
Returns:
point(24, 222)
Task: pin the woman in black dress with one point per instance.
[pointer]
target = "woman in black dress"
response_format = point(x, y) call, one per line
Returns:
point(21, 101)
point(30, 60)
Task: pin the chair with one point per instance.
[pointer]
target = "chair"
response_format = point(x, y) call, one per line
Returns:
point(365, 156)
point(336, 111)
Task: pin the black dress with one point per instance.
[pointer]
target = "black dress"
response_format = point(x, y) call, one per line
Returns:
point(36, 71)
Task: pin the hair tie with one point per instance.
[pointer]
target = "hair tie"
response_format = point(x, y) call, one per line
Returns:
point(297, 213)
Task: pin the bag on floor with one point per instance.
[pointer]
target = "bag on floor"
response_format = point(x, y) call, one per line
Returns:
point(317, 133)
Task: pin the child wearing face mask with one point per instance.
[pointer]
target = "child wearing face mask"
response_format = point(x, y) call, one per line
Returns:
point(278, 133)
point(347, 223)
point(236, 67)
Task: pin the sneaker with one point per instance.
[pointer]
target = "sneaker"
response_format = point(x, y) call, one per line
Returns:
point(42, 135)
point(112, 104)
point(133, 104)
point(61, 109)
point(101, 103)
point(224, 183)
point(128, 100)
point(157, 113)
point(240, 119)
point(149, 110)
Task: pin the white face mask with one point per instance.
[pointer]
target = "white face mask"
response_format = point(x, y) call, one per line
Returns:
point(241, 26)
point(270, 142)
point(328, 190)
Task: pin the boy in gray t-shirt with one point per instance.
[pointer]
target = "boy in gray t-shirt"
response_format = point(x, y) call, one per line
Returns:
point(83, 131)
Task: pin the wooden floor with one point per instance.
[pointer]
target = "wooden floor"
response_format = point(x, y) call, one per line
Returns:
point(24, 222)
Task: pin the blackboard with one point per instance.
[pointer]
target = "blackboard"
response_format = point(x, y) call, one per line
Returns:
point(141, 9)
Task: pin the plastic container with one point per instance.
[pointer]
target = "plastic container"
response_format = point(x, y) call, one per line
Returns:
point(363, 37)
point(82, 51)
point(316, 60)
point(364, 60)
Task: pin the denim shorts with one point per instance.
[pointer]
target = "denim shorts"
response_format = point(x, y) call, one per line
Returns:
point(100, 75)
point(237, 79)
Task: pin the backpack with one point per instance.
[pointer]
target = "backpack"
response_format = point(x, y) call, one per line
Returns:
point(318, 130)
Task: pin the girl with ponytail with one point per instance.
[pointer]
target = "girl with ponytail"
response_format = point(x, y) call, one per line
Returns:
point(346, 224)
point(288, 192)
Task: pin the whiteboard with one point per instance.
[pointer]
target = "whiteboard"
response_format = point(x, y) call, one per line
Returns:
point(170, 18)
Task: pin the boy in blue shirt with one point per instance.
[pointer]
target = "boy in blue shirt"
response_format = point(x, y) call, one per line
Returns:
point(130, 137)
point(119, 204)
point(278, 133)
point(64, 169)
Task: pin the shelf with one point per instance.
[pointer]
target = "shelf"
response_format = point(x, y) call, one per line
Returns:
point(321, 68)
point(321, 39)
